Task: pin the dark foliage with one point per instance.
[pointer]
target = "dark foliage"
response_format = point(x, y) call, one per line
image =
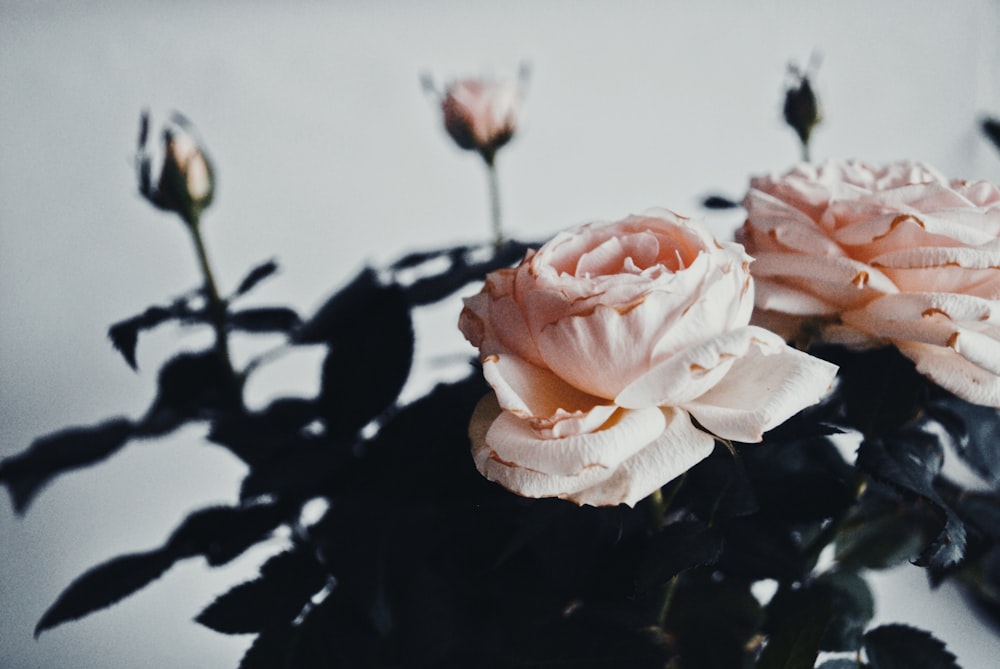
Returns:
point(418, 561)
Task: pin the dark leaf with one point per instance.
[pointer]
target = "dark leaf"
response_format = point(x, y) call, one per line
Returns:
point(719, 202)
point(991, 128)
point(905, 647)
point(852, 608)
point(975, 432)
point(371, 336)
point(104, 585)
point(757, 547)
point(26, 473)
point(674, 549)
point(840, 663)
point(125, 334)
point(717, 488)
point(463, 266)
point(222, 533)
point(265, 319)
point(287, 583)
point(255, 276)
point(882, 531)
point(703, 637)
point(795, 642)
point(270, 650)
point(191, 386)
point(910, 461)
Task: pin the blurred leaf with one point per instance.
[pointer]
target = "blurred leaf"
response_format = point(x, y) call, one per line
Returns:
point(719, 202)
point(676, 548)
point(794, 643)
point(991, 128)
point(463, 266)
point(104, 585)
point(802, 480)
point(192, 386)
point(840, 663)
point(757, 547)
point(881, 531)
point(975, 433)
point(255, 276)
point(852, 608)
point(705, 638)
point(222, 533)
point(910, 461)
point(905, 647)
point(125, 334)
point(27, 473)
point(287, 583)
point(717, 488)
point(265, 319)
point(368, 327)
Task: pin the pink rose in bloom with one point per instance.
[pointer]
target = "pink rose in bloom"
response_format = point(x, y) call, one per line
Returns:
point(482, 114)
point(601, 347)
point(864, 256)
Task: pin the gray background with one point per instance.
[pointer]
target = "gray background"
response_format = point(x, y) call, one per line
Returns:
point(329, 155)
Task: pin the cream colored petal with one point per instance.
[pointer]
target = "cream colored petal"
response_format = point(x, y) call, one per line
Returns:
point(512, 441)
point(679, 448)
point(840, 281)
point(763, 389)
point(553, 407)
point(691, 372)
point(954, 373)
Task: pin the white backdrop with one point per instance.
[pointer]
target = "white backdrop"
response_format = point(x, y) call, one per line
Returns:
point(329, 155)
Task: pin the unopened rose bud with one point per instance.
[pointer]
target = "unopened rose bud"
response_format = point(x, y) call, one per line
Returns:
point(482, 114)
point(186, 183)
point(801, 109)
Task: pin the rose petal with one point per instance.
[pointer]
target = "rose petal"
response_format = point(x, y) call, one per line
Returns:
point(693, 371)
point(679, 448)
point(553, 407)
point(952, 372)
point(763, 389)
point(512, 441)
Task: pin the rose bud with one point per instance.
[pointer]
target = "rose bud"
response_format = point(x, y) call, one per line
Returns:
point(604, 347)
point(865, 256)
point(801, 108)
point(186, 183)
point(482, 114)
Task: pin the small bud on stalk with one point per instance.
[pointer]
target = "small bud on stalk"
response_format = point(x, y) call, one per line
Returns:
point(186, 182)
point(802, 110)
point(482, 114)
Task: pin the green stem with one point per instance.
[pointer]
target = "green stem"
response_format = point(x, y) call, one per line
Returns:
point(805, 151)
point(668, 599)
point(216, 306)
point(494, 188)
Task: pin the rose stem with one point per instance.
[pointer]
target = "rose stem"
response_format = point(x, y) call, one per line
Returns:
point(494, 188)
point(216, 307)
point(805, 151)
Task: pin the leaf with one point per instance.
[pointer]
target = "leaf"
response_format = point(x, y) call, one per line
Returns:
point(255, 276)
point(975, 433)
point(903, 647)
point(881, 531)
point(795, 643)
point(674, 549)
point(840, 663)
point(287, 582)
point(462, 267)
point(265, 319)
point(371, 335)
point(191, 386)
point(217, 533)
point(910, 461)
point(991, 128)
point(125, 334)
point(104, 585)
point(27, 473)
point(222, 533)
point(852, 608)
point(719, 202)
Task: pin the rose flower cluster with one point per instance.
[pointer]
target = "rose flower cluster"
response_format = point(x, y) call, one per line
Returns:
point(618, 353)
point(864, 256)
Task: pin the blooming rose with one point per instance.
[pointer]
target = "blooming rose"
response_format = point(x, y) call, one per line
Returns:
point(865, 256)
point(602, 346)
point(482, 114)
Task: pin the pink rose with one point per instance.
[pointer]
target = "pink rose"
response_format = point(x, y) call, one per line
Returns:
point(852, 254)
point(602, 346)
point(482, 114)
